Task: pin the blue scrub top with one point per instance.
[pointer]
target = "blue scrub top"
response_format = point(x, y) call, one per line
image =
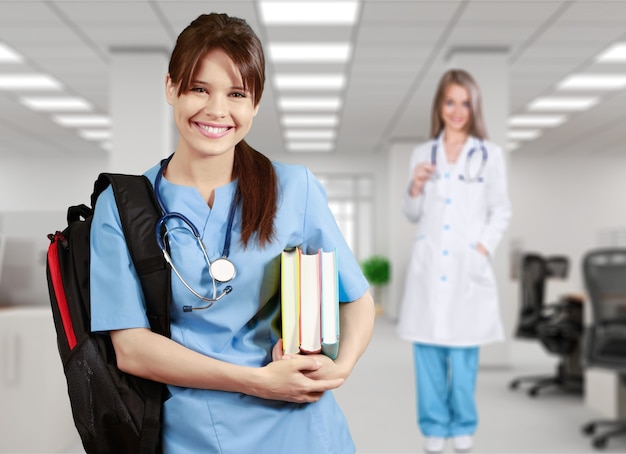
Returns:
point(242, 327)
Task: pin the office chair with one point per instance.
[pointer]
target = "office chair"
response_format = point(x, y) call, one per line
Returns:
point(604, 272)
point(558, 326)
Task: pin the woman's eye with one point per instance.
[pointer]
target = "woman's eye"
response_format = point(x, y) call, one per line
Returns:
point(198, 90)
point(466, 105)
point(238, 94)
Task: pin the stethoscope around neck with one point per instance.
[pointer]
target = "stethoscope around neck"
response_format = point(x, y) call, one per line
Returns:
point(465, 176)
point(221, 270)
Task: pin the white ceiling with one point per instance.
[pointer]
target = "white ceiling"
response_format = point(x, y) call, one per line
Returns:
point(399, 50)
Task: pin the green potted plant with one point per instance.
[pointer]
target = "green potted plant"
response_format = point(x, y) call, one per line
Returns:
point(377, 271)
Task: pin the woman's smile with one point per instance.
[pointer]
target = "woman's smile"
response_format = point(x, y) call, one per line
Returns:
point(212, 131)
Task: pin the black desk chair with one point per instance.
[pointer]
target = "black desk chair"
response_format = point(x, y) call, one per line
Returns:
point(558, 326)
point(604, 271)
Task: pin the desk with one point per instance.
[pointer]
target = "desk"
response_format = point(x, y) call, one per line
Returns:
point(605, 393)
point(35, 413)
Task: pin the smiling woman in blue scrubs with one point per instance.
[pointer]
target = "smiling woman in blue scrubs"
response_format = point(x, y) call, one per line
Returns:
point(231, 388)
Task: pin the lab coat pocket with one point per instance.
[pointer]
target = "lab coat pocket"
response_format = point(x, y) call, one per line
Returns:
point(480, 269)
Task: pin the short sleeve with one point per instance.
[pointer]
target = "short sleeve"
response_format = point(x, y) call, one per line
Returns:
point(116, 297)
point(322, 232)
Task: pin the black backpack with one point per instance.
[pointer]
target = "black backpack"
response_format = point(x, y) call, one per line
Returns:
point(114, 412)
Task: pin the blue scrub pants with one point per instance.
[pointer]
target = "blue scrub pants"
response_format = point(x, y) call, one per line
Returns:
point(446, 381)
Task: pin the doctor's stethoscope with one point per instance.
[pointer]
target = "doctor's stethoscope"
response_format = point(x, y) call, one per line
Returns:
point(466, 176)
point(221, 270)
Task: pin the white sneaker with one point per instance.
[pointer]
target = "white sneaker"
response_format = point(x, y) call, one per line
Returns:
point(434, 445)
point(463, 443)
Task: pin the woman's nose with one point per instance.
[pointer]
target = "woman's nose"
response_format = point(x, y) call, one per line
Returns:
point(216, 106)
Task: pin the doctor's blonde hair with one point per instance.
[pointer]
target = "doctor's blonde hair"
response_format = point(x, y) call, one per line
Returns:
point(476, 125)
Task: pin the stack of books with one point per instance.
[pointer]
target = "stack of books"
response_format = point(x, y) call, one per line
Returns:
point(309, 302)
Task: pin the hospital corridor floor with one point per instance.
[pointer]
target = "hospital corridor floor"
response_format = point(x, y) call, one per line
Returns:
point(379, 402)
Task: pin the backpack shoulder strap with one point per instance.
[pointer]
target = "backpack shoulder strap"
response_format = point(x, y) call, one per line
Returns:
point(139, 213)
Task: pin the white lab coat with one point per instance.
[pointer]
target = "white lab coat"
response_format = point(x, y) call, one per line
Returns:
point(450, 296)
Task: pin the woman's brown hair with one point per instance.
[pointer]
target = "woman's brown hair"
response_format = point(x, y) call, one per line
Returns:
point(476, 126)
point(258, 186)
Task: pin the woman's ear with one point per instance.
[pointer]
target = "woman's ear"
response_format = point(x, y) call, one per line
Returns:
point(171, 90)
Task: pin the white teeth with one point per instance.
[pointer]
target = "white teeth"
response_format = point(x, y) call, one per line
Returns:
point(212, 130)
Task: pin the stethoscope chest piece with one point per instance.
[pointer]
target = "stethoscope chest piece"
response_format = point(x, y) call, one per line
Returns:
point(222, 270)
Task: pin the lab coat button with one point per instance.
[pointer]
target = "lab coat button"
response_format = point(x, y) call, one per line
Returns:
point(446, 227)
point(446, 175)
point(448, 201)
point(444, 278)
point(445, 252)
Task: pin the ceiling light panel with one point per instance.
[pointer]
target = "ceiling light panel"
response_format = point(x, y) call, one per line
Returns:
point(310, 134)
point(72, 121)
point(559, 104)
point(309, 103)
point(510, 146)
point(309, 13)
point(614, 54)
point(310, 146)
point(56, 104)
point(8, 55)
point(308, 82)
point(537, 120)
point(309, 52)
point(523, 134)
point(28, 82)
point(96, 134)
point(310, 120)
point(594, 82)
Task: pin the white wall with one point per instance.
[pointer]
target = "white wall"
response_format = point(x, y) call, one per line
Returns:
point(562, 202)
point(48, 184)
point(34, 196)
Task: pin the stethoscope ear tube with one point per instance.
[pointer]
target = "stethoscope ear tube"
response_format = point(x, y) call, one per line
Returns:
point(465, 177)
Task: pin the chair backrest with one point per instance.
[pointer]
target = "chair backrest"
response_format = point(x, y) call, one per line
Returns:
point(535, 269)
point(532, 290)
point(604, 271)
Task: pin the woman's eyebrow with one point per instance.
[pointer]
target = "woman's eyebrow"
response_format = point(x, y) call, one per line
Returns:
point(202, 82)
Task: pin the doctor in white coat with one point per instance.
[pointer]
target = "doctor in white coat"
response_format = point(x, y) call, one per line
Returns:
point(458, 197)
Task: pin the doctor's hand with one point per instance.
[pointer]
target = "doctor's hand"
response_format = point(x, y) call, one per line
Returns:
point(287, 380)
point(422, 173)
point(482, 249)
